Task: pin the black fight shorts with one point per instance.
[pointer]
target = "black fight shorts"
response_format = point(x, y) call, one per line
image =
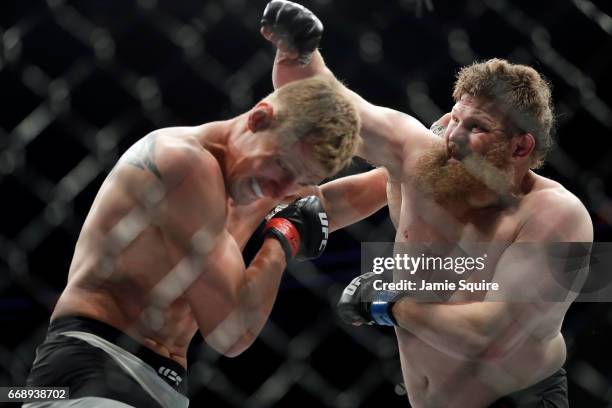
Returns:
point(551, 392)
point(96, 360)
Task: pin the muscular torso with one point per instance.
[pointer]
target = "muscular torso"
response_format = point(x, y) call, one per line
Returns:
point(433, 377)
point(124, 262)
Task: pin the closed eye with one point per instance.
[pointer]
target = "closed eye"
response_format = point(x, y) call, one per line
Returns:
point(283, 166)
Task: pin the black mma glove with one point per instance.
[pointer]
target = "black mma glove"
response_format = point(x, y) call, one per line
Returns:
point(297, 26)
point(360, 303)
point(300, 227)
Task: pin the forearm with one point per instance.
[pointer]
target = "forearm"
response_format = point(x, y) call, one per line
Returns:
point(261, 288)
point(252, 302)
point(468, 330)
point(287, 70)
point(262, 280)
point(378, 125)
point(350, 199)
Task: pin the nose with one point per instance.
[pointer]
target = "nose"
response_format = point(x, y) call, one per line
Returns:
point(458, 136)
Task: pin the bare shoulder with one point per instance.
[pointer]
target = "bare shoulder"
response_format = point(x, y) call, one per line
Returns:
point(171, 166)
point(169, 154)
point(551, 212)
point(187, 166)
point(412, 137)
point(412, 134)
point(547, 193)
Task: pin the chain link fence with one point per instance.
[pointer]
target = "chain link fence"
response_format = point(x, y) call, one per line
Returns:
point(82, 80)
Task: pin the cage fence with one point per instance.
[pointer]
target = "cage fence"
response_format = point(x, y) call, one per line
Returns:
point(83, 80)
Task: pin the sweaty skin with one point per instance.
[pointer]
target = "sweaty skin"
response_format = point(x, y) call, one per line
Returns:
point(466, 354)
point(159, 255)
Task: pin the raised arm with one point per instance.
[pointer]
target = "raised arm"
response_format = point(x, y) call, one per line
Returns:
point(387, 134)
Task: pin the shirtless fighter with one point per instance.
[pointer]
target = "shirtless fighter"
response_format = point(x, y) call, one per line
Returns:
point(159, 256)
point(476, 183)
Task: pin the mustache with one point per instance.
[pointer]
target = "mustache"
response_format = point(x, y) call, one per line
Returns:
point(457, 151)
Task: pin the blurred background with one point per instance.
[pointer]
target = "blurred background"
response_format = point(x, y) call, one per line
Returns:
point(83, 80)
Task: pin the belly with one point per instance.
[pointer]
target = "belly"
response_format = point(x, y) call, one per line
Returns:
point(130, 292)
point(167, 331)
point(434, 379)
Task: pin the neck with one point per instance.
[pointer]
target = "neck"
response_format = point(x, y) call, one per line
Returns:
point(217, 137)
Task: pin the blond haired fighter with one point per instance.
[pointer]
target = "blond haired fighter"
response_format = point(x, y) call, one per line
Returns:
point(159, 256)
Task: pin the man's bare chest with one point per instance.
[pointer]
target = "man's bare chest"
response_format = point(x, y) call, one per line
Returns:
point(421, 219)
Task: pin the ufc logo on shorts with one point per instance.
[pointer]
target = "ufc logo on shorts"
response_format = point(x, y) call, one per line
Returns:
point(324, 229)
point(170, 374)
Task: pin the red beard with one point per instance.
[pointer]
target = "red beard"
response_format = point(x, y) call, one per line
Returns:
point(456, 181)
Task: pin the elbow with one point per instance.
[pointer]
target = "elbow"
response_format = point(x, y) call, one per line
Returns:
point(229, 341)
point(241, 345)
point(234, 352)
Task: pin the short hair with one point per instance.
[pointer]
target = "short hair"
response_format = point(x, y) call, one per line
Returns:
point(520, 91)
point(317, 111)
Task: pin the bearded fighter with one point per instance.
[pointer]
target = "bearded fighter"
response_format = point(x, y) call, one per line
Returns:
point(476, 183)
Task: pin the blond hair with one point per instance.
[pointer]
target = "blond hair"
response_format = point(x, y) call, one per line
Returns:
point(520, 91)
point(315, 110)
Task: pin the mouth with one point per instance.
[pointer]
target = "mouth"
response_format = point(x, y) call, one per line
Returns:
point(452, 160)
point(256, 188)
point(454, 154)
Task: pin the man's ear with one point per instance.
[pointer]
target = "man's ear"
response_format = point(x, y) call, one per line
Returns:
point(525, 144)
point(260, 117)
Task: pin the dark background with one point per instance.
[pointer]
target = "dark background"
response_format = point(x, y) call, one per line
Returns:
point(82, 80)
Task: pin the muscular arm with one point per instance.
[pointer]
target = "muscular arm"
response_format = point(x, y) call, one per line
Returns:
point(257, 296)
point(493, 328)
point(350, 199)
point(232, 304)
point(353, 198)
point(229, 302)
point(386, 133)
